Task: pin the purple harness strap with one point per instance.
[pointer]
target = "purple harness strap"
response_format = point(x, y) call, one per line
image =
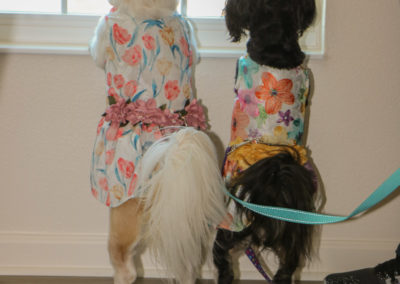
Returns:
point(249, 251)
point(253, 258)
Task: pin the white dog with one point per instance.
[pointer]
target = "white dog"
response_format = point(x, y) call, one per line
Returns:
point(151, 164)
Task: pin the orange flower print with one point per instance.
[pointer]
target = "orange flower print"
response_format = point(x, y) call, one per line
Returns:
point(172, 90)
point(168, 35)
point(149, 42)
point(187, 91)
point(117, 191)
point(275, 93)
point(110, 53)
point(119, 81)
point(99, 149)
point(130, 88)
point(240, 121)
point(126, 168)
point(133, 55)
point(121, 35)
point(164, 66)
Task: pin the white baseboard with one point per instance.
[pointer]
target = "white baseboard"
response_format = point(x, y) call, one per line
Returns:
point(48, 254)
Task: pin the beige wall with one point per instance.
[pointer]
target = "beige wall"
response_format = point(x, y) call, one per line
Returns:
point(49, 107)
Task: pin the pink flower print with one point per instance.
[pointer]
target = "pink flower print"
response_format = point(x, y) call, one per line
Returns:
point(127, 168)
point(112, 132)
point(130, 88)
point(185, 47)
point(186, 50)
point(170, 119)
point(132, 185)
point(120, 34)
point(143, 111)
point(95, 193)
point(113, 93)
point(148, 128)
point(103, 184)
point(195, 115)
point(108, 201)
point(149, 42)
point(117, 113)
point(119, 81)
point(133, 55)
point(285, 117)
point(120, 132)
point(172, 90)
point(249, 102)
point(101, 123)
point(110, 156)
point(109, 79)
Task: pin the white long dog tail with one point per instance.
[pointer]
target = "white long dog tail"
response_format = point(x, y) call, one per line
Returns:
point(185, 200)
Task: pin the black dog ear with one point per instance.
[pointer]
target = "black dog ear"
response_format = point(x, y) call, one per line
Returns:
point(237, 15)
point(306, 13)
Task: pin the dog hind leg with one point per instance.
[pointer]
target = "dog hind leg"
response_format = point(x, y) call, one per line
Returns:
point(288, 263)
point(224, 242)
point(125, 223)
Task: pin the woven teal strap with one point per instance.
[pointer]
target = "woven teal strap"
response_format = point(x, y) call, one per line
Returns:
point(302, 217)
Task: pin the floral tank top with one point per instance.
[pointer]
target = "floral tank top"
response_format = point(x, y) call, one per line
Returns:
point(148, 86)
point(270, 107)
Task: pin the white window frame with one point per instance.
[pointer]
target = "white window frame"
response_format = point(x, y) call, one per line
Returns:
point(70, 34)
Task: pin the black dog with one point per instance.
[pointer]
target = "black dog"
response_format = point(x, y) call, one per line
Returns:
point(266, 163)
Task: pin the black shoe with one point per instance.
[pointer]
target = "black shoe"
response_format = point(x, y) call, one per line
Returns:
point(385, 273)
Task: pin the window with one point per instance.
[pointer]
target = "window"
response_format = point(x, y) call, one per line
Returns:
point(191, 8)
point(66, 26)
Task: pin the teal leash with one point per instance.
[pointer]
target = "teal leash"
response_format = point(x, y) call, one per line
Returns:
point(309, 218)
point(302, 217)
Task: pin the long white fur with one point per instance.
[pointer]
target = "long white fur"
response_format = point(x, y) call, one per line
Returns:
point(184, 199)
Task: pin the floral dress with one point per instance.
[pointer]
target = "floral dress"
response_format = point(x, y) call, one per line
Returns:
point(148, 87)
point(269, 108)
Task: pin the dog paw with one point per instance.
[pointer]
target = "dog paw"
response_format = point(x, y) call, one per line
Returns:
point(125, 278)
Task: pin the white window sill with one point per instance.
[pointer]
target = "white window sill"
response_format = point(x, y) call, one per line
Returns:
point(70, 35)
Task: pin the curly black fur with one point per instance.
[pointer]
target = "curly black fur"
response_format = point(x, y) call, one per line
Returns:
point(274, 28)
point(277, 181)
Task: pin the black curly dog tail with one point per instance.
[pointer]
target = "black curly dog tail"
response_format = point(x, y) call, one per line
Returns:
point(279, 181)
